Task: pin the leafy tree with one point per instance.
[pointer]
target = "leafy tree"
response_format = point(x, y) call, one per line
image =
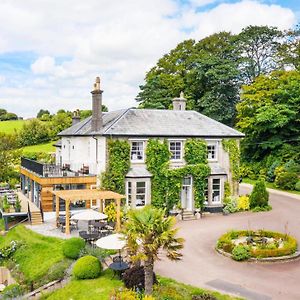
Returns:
point(258, 46)
point(88, 112)
point(206, 71)
point(59, 122)
point(148, 232)
point(34, 132)
point(289, 50)
point(9, 157)
point(269, 115)
point(42, 112)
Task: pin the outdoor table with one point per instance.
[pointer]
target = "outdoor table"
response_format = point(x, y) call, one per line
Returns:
point(119, 267)
point(98, 226)
point(89, 237)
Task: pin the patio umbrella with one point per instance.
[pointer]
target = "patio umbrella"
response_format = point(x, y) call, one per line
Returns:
point(89, 215)
point(112, 242)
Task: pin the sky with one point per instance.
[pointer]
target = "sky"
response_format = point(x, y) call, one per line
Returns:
point(52, 50)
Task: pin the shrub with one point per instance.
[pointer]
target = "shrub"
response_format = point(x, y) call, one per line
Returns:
point(12, 291)
point(286, 180)
point(72, 247)
point(134, 278)
point(240, 253)
point(297, 186)
point(231, 205)
point(87, 267)
point(271, 171)
point(124, 294)
point(97, 252)
point(259, 196)
point(243, 203)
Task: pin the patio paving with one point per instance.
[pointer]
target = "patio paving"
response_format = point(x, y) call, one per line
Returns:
point(202, 266)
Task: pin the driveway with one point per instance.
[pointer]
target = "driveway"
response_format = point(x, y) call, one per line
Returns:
point(202, 266)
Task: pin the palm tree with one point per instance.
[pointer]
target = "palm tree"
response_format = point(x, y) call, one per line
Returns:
point(148, 231)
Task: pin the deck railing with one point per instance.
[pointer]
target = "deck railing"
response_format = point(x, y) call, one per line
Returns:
point(53, 170)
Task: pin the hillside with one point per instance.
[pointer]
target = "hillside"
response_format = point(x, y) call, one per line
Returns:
point(11, 126)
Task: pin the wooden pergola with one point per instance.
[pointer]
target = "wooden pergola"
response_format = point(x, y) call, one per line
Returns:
point(86, 195)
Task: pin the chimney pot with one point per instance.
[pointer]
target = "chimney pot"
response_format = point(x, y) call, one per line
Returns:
point(179, 103)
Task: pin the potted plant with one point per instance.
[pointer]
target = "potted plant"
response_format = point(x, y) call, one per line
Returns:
point(18, 204)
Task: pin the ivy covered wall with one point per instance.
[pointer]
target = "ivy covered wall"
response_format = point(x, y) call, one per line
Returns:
point(166, 182)
point(118, 166)
point(231, 146)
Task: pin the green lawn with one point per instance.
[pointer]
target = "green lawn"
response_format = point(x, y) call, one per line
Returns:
point(102, 287)
point(92, 289)
point(11, 126)
point(48, 147)
point(269, 185)
point(39, 260)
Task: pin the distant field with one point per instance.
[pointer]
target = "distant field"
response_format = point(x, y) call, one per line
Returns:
point(48, 147)
point(11, 126)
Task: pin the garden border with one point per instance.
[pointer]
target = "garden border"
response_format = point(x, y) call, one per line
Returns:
point(285, 258)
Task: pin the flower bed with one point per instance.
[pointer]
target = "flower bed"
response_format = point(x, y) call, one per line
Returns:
point(246, 244)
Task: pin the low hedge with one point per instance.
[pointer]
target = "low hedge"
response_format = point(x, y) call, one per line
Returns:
point(87, 267)
point(289, 243)
point(72, 247)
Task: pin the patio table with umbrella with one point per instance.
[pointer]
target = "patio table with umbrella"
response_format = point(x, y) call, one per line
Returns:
point(114, 242)
point(89, 215)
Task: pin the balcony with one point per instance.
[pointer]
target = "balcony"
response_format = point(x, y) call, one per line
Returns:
point(53, 170)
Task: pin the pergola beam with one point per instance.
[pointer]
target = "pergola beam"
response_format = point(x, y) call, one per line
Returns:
point(70, 196)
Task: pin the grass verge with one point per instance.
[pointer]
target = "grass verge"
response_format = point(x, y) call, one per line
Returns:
point(269, 185)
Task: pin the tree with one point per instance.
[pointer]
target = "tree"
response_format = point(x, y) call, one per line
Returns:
point(206, 71)
point(9, 157)
point(60, 122)
point(269, 114)
point(289, 50)
point(258, 46)
point(42, 112)
point(34, 132)
point(148, 232)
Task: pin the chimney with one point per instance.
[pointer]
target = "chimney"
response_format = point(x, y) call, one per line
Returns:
point(179, 103)
point(97, 121)
point(76, 117)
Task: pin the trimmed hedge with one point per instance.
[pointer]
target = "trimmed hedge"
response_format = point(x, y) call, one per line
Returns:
point(72, 247)
point(289, 243)
point(87, 267)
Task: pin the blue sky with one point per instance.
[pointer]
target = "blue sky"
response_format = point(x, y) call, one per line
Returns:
point(51, 50)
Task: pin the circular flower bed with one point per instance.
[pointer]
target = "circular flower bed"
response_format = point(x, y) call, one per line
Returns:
point(245, 244)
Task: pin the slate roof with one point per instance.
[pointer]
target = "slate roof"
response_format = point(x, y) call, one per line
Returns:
point(154, 123)
point(138, 171)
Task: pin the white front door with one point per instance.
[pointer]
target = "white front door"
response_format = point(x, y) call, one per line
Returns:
point(186, 194)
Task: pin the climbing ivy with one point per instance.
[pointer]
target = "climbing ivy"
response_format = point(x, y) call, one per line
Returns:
point(166, 182)
point(157, 159)
point(195, 151)
point(231, 146)
point(118, 166)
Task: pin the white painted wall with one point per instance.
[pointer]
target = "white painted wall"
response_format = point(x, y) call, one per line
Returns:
point(79, 151)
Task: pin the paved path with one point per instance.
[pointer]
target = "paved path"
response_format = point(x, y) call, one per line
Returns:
point(202, 266)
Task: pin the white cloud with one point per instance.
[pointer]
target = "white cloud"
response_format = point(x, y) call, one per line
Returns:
point(119, 41)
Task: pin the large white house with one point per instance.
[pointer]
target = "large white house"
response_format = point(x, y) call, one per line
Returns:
point(82, 150)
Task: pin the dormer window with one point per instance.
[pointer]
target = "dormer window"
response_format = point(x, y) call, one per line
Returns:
point(175, 148)
point(137, 151)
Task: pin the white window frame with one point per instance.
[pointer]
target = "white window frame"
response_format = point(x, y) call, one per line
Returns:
point(143, 151)
point(212, 191)
point(136, 194)
point(131, 185)
point(181, 149)
point(215, 144)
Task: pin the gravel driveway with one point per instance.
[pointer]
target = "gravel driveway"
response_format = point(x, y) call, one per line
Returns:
point(202, 266)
